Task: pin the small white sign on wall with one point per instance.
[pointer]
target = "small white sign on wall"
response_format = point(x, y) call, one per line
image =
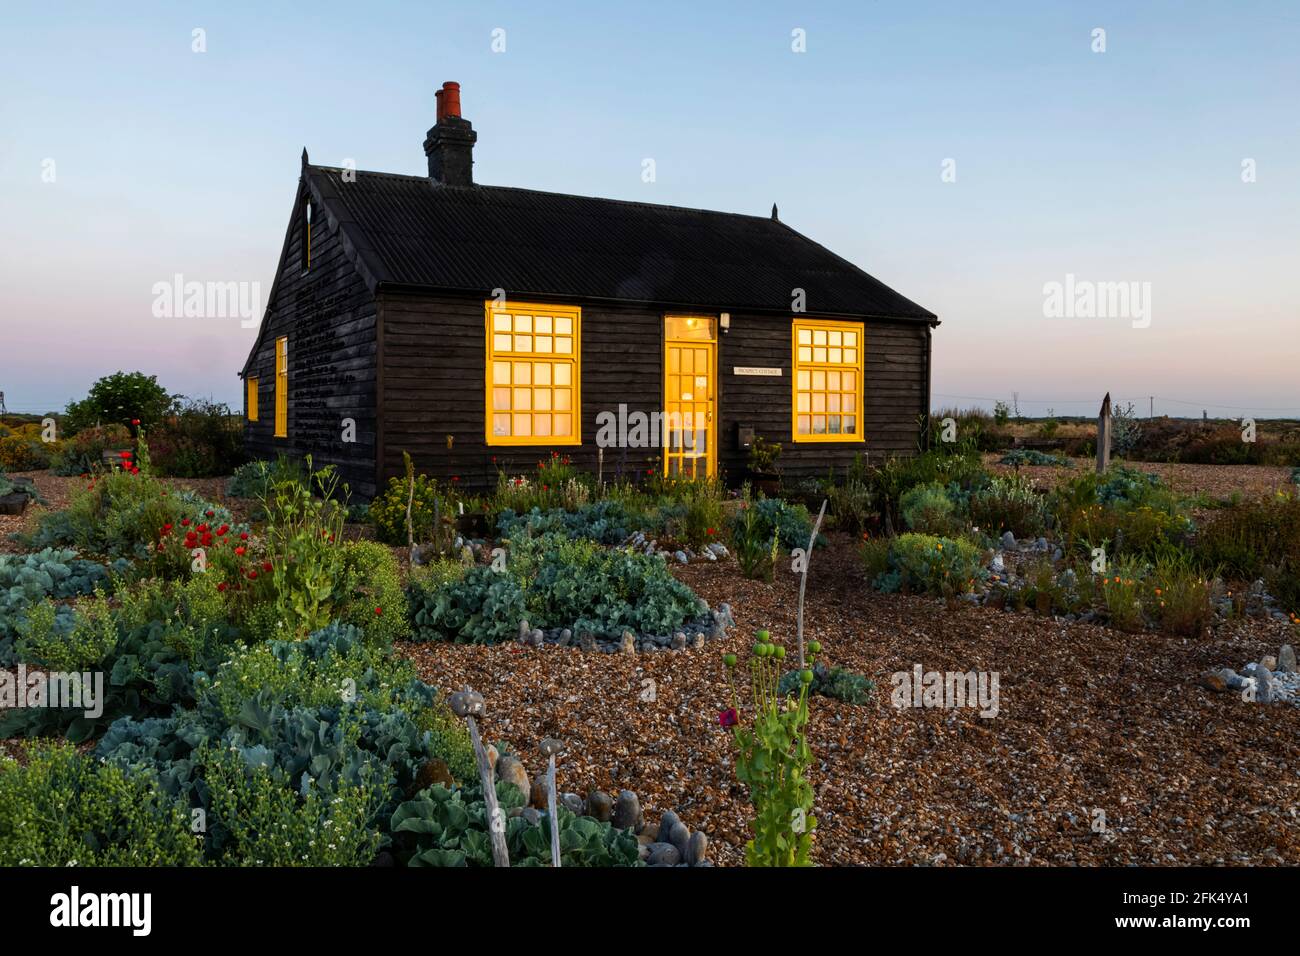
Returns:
point(755, 370)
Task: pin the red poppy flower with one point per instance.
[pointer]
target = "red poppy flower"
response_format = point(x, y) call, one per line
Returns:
point(266, 566)
point(223, 529)
point(379, 611)
point(210, 514)
point(203, 527)
point(207, 540)
point(135, 421)
point(729, 717)
point(240, 551)
point(167, 527)
point(243, 536)
point(252, 575)
point(221, 586)
point(185, 522)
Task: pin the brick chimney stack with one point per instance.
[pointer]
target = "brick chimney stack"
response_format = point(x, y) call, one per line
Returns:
point(450, 144)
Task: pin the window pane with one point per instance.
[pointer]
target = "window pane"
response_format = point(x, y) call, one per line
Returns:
point(818, 424)
point(563, 325)
point(849, 399)
point(805, 337)
point(501, 322)
point(563, 425)
point(833, 424)
point(543, 344)
point(523, 373)
point(833, 381)
point(564, 345)
point(836, 355)
point(805, 402)
point(563, 372)
point(523, 399)
point(805, 379)
point(849, 428)
point(850, 338)
point(501, 425)
point(523, 343)
point(523, 425)
point(563, 398)
point(819, 381)
point(501, 342)
point(835, 338)
point(501, 399)
point(819, 354)
point(833, 402)
point(542, 399)
point(523, 323)
point(851, 356)
point(542, 426)
point(819, 336)
point(541, 373)
point(819, 401)
point(804, 424)
point(500, 373)
point(542, 324)
point(805, 354)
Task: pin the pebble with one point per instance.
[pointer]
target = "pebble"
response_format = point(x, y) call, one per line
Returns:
point(663, 854)
point(627, 811)
point(600, 805)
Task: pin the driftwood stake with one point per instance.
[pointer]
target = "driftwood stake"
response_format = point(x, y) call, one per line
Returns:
point(466, 704)
point(803, 578)
point(552, 803)
point(1103, 436)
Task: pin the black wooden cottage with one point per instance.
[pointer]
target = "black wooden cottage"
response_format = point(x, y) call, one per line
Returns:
point(481, 327)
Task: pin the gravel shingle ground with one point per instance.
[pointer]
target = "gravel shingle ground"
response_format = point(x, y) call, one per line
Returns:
point(1091, 719)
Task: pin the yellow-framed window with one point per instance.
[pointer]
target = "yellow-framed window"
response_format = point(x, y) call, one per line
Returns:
point(282, 387)
point(252, 398)
point(533, 376)
point(827, 381)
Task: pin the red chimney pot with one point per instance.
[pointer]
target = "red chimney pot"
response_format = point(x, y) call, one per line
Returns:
point(450, 100)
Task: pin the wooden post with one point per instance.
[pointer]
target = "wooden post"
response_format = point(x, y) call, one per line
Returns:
point(1103, 436)
point(496, 823)
point(551, 805)
point(803, 578)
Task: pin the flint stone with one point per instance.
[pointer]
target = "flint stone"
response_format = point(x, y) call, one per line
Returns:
point(663, 854)
point(627, 810)
point(666, 826)
point(1008, 541)
point(600, 805)
point(628, 644)
point(573, 803)
point(537, 797)
point(679, 641)
point(511, 770)
point(679, 837)
point(1286, 662)
point(696, 848)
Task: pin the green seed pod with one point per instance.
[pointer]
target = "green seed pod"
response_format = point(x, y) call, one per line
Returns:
point(806, 676)
point(779, 651)
point(729, 660)
point(763, 635)
point(814, 646)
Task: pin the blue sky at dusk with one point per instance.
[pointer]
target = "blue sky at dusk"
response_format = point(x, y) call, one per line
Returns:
point(1117, 166)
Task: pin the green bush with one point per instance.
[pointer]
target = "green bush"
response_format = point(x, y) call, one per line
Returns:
point(433, 512)
point(554, 582)
point(932, 564)
point(201, 439)
point(120, 399)
point(377, 599)
point(83, 453)
point(28, 579)
point(60, 808)
point(605, 522)
point(836, 682)
point(1031, 456)
point(1009, 504)
point(928, 509)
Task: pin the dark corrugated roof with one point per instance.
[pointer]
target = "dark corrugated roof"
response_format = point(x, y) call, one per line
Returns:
point(409, 231)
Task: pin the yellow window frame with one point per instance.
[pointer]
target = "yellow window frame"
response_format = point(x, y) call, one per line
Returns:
point(519, 349)
point(252, 398)
point(282, 387)
point(820, 362)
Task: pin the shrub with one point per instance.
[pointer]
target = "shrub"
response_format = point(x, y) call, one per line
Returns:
point(889, 482)
point(28, 579)
point(265, 823)
point(605, 522)
point(1009, 504)
point(377, 600)
point(67, 639)
point(60, 808)
point(875, 556)
point(553, 582)
point(755, 541)
point(201, 439)
point(1247, 537)
point(24, 451)
point(1180, 597)
point(433, 512)
point(83, 453)
point(927, 509)
point(1121, 593)
point(1031, 456)
point(119, 399)
point(836, 682)
point(933, 565)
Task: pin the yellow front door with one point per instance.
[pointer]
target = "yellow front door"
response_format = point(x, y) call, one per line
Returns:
point(690, 396)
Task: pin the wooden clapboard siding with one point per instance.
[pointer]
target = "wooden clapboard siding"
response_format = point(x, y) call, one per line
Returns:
point(328, 315)
point(432, 381)
point(895, 393)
